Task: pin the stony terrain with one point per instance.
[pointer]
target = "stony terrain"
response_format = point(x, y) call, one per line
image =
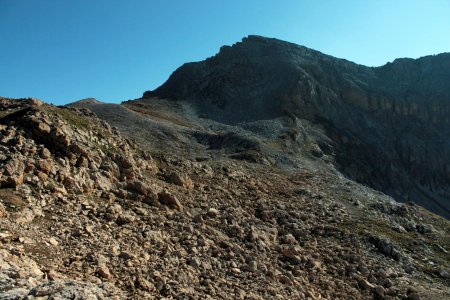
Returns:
point(86, 213)
point(387, 126)
point(233, 181)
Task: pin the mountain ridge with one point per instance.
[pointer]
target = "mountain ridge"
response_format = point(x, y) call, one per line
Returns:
point(86, 211)
point(209, 194)
point(398, 113)
point(242, 52)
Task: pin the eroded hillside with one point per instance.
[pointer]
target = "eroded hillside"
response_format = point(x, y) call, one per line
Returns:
point(89, 213)
point(388, 126)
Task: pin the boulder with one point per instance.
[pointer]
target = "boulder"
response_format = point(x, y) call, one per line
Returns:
point(46, 165)
point(181, 180)
point(169, 200)
point(139, 187)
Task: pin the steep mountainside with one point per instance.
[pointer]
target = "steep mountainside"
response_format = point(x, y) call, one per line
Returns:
point(234, 180)
point(87, 213)
point(387, 127)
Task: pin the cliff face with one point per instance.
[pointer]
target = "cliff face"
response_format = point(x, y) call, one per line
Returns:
point(389, 125)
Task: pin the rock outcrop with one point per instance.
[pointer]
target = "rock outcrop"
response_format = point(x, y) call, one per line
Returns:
point(388, 125)
point(65, 150)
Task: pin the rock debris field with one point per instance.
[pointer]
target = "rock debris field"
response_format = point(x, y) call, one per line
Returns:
point(86, 213)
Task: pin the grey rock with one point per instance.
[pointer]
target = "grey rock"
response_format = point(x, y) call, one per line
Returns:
point(397, 113)
point(444, 274)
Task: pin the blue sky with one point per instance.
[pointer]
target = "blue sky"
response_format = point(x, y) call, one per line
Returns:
point(65, 50)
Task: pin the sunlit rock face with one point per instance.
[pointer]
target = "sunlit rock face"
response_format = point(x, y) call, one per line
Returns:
point(389, 125)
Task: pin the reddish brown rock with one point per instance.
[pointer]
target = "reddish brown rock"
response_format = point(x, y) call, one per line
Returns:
point(3, 212)
point(43, 128)
point(35, 102)
point(139, 187)
point(170, 200)
point(46, 153)
point(104, 272)
point(46, 165)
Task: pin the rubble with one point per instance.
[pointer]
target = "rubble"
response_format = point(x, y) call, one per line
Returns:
point(91, 220)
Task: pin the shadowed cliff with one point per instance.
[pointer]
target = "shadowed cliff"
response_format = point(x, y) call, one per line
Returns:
point(388, 125)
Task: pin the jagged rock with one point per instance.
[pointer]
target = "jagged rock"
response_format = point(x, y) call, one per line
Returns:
point(212, 213)
point(13, 173)
point(3, 212)
point(61, 136)
point(35, 102)
point(70, 184)
point(102, 182)
point(444, 274)
point(292, 253)
point(104, 272)
point(424, 228)
point(126, 218)
point(386, 247)
point(46, 165)
point(181, 180)
point(45, 153)
point(170, 200)
point(43, 128)
point(139, 187)
point(289, 239)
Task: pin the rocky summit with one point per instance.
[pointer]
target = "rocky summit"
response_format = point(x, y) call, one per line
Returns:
point(269, 171)
point(388, 126)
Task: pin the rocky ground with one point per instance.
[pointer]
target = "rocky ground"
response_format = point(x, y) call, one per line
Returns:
point(86, 213)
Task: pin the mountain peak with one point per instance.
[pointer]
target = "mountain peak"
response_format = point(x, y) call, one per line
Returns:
point(262, 78)
point(242, 171)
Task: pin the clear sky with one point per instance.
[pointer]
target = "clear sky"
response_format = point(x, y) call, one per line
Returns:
point(113, 50)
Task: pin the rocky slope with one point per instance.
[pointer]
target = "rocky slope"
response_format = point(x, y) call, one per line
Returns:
point(86, 213)
point(386, 126)
point(226, 183)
